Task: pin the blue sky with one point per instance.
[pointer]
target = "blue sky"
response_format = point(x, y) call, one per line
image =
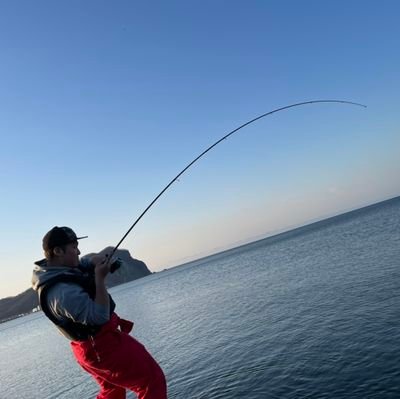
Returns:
point(103, 103)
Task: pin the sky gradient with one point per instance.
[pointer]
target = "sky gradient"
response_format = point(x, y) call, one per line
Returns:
point(102, 104)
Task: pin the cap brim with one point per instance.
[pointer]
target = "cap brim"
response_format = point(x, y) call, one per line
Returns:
point(79, 238)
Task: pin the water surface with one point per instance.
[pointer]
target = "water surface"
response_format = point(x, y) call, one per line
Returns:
point(313, 313)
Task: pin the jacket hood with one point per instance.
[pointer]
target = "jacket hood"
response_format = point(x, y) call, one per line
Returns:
point(42, 272)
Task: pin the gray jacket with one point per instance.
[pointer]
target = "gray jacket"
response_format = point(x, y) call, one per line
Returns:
point(69, 300)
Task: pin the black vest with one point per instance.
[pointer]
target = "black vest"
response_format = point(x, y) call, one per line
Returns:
point(73, 330)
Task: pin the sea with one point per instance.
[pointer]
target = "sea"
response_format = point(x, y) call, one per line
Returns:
point(310, 313)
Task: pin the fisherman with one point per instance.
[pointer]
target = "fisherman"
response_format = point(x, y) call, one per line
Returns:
point(73, 295)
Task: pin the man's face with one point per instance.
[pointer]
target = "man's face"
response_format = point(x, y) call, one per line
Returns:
point(71, 254)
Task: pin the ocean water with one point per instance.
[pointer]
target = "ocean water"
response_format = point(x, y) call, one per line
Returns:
point(313, 313)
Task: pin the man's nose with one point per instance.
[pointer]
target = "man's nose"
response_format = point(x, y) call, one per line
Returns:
point(79, 252)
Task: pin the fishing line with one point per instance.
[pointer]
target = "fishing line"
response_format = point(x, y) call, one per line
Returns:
point(216, 143)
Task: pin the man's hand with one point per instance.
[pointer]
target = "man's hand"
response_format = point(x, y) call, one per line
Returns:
point(102, 263)
point(102, 267)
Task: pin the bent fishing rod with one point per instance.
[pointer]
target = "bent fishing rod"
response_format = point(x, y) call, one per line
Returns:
point(211, 147)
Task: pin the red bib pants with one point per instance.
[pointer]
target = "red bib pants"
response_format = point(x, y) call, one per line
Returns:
point(118, 362)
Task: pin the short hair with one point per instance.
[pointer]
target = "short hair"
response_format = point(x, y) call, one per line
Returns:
point(49, 253)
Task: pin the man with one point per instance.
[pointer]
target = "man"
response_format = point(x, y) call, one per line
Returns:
point(73, 295)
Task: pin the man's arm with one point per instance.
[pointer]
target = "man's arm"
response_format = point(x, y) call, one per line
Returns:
point(101, 270)
point(71, 301)
point(102, 264)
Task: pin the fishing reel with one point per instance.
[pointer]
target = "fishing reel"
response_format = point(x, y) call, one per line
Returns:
point(116, 264)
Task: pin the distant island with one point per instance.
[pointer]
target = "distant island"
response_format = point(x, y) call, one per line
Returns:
point(27, 302)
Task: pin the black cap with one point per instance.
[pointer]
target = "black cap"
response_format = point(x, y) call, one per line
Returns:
point(59, 236)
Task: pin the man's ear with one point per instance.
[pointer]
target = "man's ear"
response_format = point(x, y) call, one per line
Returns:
point(58, 251)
